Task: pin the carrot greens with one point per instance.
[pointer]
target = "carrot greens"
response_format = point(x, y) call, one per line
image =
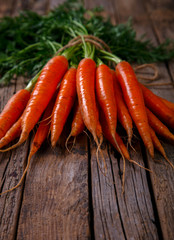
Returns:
point(29, 40)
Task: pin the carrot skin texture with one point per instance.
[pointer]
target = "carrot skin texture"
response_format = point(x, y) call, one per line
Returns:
point(122, 110)
point(42, 93)
point(13, 110)
point(159, 127)
point(77, 125)
point(40, 136)
point(105, 96)
point(134, 100)
point(168, 103)
point(85, 83)
point(157, 143)
point(63, 105)
point(157, 106)
point(13, 133)
point(44, 127)
point(107, 134)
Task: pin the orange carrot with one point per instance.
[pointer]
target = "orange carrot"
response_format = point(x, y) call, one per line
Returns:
point(168, 103)
point(109, 136)
point(13, 110)
point(157, 106)
point(158, 146)
point(85, 81)
point(44, 127)
point(77, 125)
point(42, 93)
point(40, 136)
point(122, 111)
point(158, 126)
point(134, 100)
point(105, 96)
point(64, 102)
point(13, 133)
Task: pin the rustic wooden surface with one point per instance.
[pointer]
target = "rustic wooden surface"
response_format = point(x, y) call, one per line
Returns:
point(65, 196)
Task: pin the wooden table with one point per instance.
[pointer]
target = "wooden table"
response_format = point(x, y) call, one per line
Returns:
point(65, 195)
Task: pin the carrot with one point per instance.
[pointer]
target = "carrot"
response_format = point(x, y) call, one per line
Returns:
point(77, 125)
point(134, 100)
point(13, 110)
point(157, 106)
point(111, 139)
point(44, 127)
point(13, 133)
point(119, 146)
point(158, 146)
point(64, 102)
point(122, 111)
point(40, 136)
point(105, 96)
point(85, 82)
point(158, 126)
point(42, 93)
point(168, 103)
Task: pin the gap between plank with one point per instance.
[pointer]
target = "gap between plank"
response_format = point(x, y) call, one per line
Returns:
point(117, 203)
point(149, 182)
point(91, 212)
point(22, 191)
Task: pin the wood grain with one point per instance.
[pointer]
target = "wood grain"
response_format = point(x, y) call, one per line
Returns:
point(138, 11)
point(11, 163)
point(55, 203)
point(65, 196)
point(142, 24)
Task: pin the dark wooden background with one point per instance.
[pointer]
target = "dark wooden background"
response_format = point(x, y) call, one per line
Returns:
point(64, 195)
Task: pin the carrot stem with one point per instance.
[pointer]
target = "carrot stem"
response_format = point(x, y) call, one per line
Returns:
point(32, 82)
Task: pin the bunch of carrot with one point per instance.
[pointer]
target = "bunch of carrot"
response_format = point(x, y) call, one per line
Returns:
point(98, 97)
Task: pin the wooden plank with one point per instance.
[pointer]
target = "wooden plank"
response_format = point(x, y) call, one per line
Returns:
point(162, 17)
point(67, 214)
point(135, 216)
point(55, 202)
point(162, 184)
point(6, 7)
point(55, 3)
point(11, 168)
point(10, 203)
point(107, 219)
point(12, 163)
point(124, 216)
point(38, 6)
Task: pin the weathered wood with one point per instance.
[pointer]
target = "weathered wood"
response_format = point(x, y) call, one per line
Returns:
point(107, 219)
point(11, 168)
point(129, 215)
point(10, 203)
point(11, 163)
point(55, 202)
point(162, 198)
point(134, 210)
point(6, 7)
point(143, 25)
point(162, 17)
point(135, 205)
point(38, 6)
point(162, 20)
